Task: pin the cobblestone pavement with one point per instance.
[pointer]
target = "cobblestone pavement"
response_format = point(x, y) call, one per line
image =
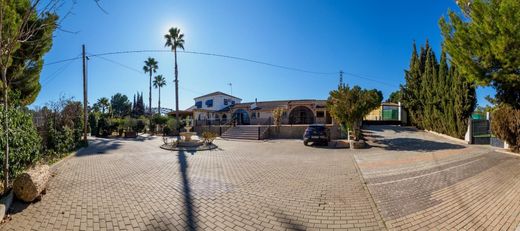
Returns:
point(128, 184)
point(421, 181)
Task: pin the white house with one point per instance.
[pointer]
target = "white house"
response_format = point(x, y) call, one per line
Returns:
point(207, 107)
point(220, 108)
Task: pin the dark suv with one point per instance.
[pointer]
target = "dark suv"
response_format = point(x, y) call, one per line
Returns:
point(317, 134)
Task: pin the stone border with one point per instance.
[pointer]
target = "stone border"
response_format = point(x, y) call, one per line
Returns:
point(447, 137)
point(197, 148)
point(5, 204)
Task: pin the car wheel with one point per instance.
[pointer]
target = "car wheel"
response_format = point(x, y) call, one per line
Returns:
point(306, 143)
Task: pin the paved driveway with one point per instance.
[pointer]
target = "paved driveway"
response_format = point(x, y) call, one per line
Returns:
point(128, 184)
point(415, 180)
point(422, 181)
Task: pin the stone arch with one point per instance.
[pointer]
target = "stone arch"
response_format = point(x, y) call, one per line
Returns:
point(301, 115)
point(241, 116)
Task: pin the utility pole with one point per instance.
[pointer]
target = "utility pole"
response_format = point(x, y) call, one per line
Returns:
point(85, 101)
point(341, 78)
point(231, 87)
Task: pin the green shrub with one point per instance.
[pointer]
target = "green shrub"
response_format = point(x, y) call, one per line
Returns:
point(104, 128)
point(140, 125)
point(93, 123)
point(166, 130)
point(60, 141)
point(505, 125)
point(129, 124)
point(159, 119)
point(172, 125)
point(24, 141)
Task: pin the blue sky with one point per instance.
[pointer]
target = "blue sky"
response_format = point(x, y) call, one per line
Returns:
point(372, 39)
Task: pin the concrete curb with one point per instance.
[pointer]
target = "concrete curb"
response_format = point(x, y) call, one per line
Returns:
point(5, 204)
point(505, 151)
point(447, 137)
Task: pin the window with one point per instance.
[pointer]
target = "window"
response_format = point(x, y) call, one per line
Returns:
point(232, 102)
point(198, 104)
point(253, 115)
point(209, 103)
point(320, 114)
point(225, 101)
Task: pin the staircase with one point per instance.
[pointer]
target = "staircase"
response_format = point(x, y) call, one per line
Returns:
point(242, 132)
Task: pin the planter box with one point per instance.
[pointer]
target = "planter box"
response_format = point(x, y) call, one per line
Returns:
point(130, 134)
point(357, 144)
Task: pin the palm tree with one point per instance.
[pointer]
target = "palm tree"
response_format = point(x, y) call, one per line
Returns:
point(150, 66)
point(104, 103)
point(158, 82)
point(175, 39)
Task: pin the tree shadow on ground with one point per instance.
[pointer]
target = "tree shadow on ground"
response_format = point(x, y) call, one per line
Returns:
point(186, 189)
point(289, 222)
point(99, 146)
point(382, 128)
point(413, 144)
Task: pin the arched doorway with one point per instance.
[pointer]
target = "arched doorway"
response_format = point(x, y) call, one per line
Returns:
point(241, 116)
point(301, 115)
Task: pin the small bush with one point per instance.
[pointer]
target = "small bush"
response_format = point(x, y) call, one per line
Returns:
point(141, 124)
point(505, 125)
point(208, 137)
point(60, 141)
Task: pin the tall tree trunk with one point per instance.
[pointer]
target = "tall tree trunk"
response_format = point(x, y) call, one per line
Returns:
point(6, 130)
point(150, 94)
point(176, 90)
point(159, 103)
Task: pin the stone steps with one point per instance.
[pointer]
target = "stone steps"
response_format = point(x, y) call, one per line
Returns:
point(242, 132)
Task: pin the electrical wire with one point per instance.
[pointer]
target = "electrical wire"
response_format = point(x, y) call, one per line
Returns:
point(48, 79)
point(100, 55)
point(138, 71)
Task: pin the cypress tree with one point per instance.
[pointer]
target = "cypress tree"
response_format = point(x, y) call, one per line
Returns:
point(411, 90)
point(436, 96)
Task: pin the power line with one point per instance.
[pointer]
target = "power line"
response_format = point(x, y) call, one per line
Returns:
point(62, 61)
point(137, 71)
point(370, 79)
point(118, 63)
point(100, 55)
point(56, 73)
point(221, 56)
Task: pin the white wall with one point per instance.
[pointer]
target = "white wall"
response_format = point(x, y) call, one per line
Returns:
point(218, 102)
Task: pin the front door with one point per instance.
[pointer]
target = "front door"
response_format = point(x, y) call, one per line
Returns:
point(242, 117)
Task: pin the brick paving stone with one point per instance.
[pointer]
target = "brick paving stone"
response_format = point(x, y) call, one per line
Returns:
point(421, 181)
point(123, 184)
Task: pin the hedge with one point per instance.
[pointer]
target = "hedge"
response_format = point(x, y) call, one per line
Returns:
point(24, 141)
